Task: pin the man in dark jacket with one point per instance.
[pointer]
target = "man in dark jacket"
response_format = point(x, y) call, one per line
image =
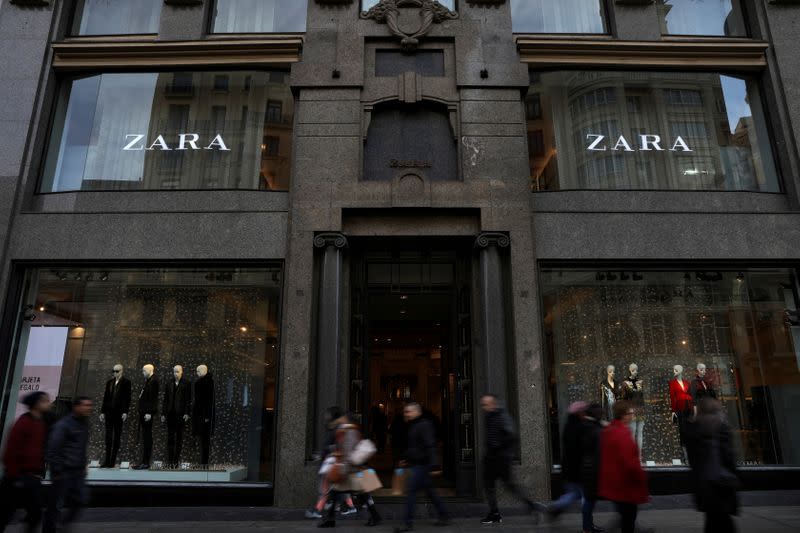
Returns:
point(590, 464)
point(499, 454)
point(24, 463)
point(66, 456)
point(116, 403)
point(571, 452)
point(420, 457)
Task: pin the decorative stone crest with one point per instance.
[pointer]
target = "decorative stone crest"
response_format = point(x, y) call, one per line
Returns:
point(402, 21)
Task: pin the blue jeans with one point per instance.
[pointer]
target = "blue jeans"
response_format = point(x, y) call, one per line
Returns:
point(586, 510)
point(420, 479)
point(572, 493)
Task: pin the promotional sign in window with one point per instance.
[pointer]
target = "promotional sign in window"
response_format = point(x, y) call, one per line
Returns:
point(43, 359)
point(647, 130)
point(172, 130)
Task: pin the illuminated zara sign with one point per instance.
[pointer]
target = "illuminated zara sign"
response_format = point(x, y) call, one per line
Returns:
point(646, 143)
point(185, 141)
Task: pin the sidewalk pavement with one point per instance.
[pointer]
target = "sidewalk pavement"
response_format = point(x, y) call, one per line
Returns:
point(766, 512)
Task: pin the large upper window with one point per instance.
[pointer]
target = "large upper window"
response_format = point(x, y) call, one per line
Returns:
point(195, 348)
point(172, 130)
point(665, 339)
point(116, 17)
point(259, 16)
point(701, 17)
point(647, 130)
point(562, 16)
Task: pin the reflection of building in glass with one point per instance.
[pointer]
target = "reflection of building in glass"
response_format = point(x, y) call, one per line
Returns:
point(689, 142)
point(250, 111)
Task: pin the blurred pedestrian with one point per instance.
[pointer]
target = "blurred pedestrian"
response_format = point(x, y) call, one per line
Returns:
point(713, 466)
point(621, 478)
point(66, 457)
point(500, 437)
point(571, 459)
point(590, 463)
point(420, 456)
point(332, 418)
point(398, 431)
point(24, 464)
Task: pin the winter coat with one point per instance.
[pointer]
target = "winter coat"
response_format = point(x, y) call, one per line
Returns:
point(148, 398)
point(24, 454)
point(713, 464)
point(571, 449)
point(66, 448)
point(590, 457)
point(203, 405)
point(499, 434)
point(421, 449)
point(621, 477)
point(116, 402)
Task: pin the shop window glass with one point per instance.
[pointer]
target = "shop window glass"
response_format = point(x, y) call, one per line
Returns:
point(648, 130)
point(116, 17)
point(741, 326)
point(701, 17)
point(259, 16)
point(367, 4)
point(145, 131)
point(88, 321)
point(563, 16)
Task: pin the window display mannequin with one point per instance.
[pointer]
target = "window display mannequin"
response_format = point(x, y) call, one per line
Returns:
point(114, 411)
point(701, 387)
point(609, 392)
point(633, 392)
point(177, 401)
point(148, 409)
point(203, 411)
point(680, 399)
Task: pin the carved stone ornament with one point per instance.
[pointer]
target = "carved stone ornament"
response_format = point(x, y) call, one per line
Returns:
point(31, 3)
point(323, 240)
point(785, 2)
point(490, 238)
point(399, 15)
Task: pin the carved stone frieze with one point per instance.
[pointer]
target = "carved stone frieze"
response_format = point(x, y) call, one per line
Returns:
point(409, 19)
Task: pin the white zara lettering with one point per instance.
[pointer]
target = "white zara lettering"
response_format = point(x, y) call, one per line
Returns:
point(186, 141)
point(647, 143)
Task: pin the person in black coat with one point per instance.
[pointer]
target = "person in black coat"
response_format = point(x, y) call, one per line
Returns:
point(203, 411)
point(420, 457)
point(148, 409)
point(713, 465)
point(114, 411)
point(590, 463)
point(500, 437)
point(571, 457)
point(177, 404)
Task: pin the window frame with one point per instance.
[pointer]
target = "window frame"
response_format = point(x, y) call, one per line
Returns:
point(63, 88)
point(748, 30)
point(210, 33)
point(72, 19)
point(606, 14)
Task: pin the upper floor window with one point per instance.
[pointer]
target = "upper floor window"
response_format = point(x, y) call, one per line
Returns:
point(701, 17)
point(367, 4)
point(116, 17)
point(171, 130)
point(259, 16)
point(562, 16)
point(648, 130)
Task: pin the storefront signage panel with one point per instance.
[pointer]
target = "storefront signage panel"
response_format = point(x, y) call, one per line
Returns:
point(172, 130)
point(647, 130)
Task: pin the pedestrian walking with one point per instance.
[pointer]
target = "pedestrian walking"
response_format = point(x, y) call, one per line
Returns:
point(333, 417)
point(420, 457)
point(66, 457)
point(590, 463)
point(571, 458)
point(500, 436)
point(621, 477)
point(713, 467)
point(24, 464)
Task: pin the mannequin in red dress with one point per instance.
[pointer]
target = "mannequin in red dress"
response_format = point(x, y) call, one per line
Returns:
point(681, 402)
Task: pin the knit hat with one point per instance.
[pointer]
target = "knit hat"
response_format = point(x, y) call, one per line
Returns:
point(33, 398)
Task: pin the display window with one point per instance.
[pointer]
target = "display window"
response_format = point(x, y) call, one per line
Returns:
point(180, 364)
point(648, 130)
point(259, 16)
point(663, 340)
point(563, 16)
point(116, 17)
point(701, 17)
point(171, 130)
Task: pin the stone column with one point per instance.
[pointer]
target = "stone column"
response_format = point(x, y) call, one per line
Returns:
point(328, 360)
point(493, 312)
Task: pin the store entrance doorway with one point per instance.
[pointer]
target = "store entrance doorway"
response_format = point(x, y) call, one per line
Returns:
point(411, 344)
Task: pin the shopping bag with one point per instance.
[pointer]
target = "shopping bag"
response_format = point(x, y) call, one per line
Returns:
point(399, 481)
point(368, 480)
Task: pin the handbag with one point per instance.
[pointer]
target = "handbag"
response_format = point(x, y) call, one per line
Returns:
point(368, 481)
point(399, 481)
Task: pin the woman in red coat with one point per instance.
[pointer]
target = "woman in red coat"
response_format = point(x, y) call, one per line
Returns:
point(621, 478)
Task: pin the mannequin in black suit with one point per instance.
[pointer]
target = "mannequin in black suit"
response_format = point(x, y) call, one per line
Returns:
point(203, 411)
point(177, 402)
point(116, 402)
point(148, 408)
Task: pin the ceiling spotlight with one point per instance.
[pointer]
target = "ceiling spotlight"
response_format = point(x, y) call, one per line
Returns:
point(41, 309)
point(402, 311)
point(244, 329)
point(404, 297)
